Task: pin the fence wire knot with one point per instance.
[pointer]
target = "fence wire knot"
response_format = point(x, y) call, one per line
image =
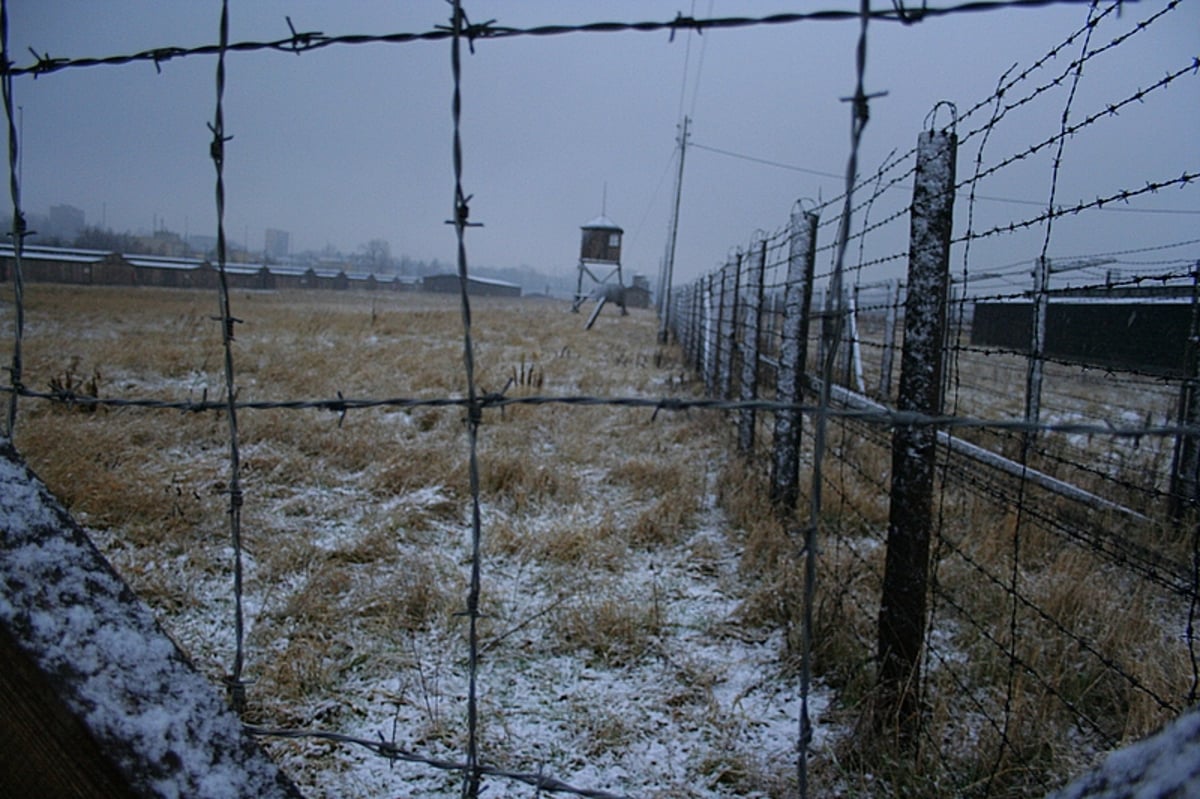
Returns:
point(165, 54)
point(303, 41)
point(463, 27)
point(228, 322)
point(667, 404)
point(45, 63)
point(235, 689)
point(217, 148)
point(907, 16)
point(339, 407)
point(681, 21)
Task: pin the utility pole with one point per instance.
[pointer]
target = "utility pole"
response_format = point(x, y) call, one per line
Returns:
point(669, 266)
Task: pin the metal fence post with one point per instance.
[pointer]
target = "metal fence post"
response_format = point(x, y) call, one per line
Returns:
point(910, 522)
point(793, 357)
point(751, 342)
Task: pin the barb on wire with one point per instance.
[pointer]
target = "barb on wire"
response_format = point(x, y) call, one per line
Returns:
point(306, 40)
point(44, 64)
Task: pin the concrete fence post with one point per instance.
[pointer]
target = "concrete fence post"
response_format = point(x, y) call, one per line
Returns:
point(751, 344)
point(1185, 462)
point(793, 357)
point(910, 521)
point(1037, 347)
point(731, 285)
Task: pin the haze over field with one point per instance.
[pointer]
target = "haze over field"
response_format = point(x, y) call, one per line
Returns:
point(350, 144)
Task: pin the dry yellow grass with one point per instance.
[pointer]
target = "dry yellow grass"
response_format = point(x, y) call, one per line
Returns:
point(356, 529)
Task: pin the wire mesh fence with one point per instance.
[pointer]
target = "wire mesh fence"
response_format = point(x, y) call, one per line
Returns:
point(1053, 595)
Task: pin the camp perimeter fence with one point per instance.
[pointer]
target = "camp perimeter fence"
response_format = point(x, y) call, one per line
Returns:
point(883, 417)
point(976, 443)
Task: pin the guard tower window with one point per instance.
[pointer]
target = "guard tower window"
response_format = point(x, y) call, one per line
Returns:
point(614, 239)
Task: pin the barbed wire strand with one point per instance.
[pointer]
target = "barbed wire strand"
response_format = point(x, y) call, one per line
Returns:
point(391, 751)
point(234, 683)
point(859, 115)
point(471, 774)
point(883, 416)
point(301, 42)
point(1033, 385)
point(17, 233)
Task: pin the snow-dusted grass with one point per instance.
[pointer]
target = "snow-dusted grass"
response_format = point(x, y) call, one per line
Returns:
point(641, 606)
point(615, 647)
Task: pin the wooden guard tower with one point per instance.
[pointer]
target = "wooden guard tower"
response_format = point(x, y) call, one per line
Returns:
point(600, 261)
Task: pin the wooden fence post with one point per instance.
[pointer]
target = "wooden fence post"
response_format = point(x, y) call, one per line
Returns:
point(910, 521)
point(793, 358)
point(751, 343)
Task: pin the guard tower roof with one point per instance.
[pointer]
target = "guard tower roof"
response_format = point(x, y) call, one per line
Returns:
point(602, 223)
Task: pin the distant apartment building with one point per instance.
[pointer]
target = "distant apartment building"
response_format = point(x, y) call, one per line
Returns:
point(278, 244)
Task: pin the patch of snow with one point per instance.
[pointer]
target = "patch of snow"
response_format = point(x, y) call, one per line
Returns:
point(170, 732)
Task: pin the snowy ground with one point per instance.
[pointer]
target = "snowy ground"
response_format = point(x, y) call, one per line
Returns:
point(627, 666)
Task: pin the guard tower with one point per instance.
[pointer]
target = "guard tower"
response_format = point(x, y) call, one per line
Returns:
point(600, 261)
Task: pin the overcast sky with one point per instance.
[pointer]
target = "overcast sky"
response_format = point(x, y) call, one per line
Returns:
point(352, 143)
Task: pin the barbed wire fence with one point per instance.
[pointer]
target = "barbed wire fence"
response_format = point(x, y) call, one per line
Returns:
point(824, 343)
point(1124, 505)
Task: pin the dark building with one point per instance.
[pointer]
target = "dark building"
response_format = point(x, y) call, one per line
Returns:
point(1144, 331)
point(476, 286)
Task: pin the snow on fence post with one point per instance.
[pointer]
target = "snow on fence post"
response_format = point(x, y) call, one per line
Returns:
point(1185, 461)
point(889, 342)
point(793, 356)
point(854, 367)
point(720, 360)
point(730, 282)
point(712, 340)
point(689, 323)
point(906, 570)
point(1037, 347)
point(98, 700)
point(751, 342)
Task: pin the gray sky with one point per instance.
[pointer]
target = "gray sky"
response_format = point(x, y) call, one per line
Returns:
point(351, 143)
